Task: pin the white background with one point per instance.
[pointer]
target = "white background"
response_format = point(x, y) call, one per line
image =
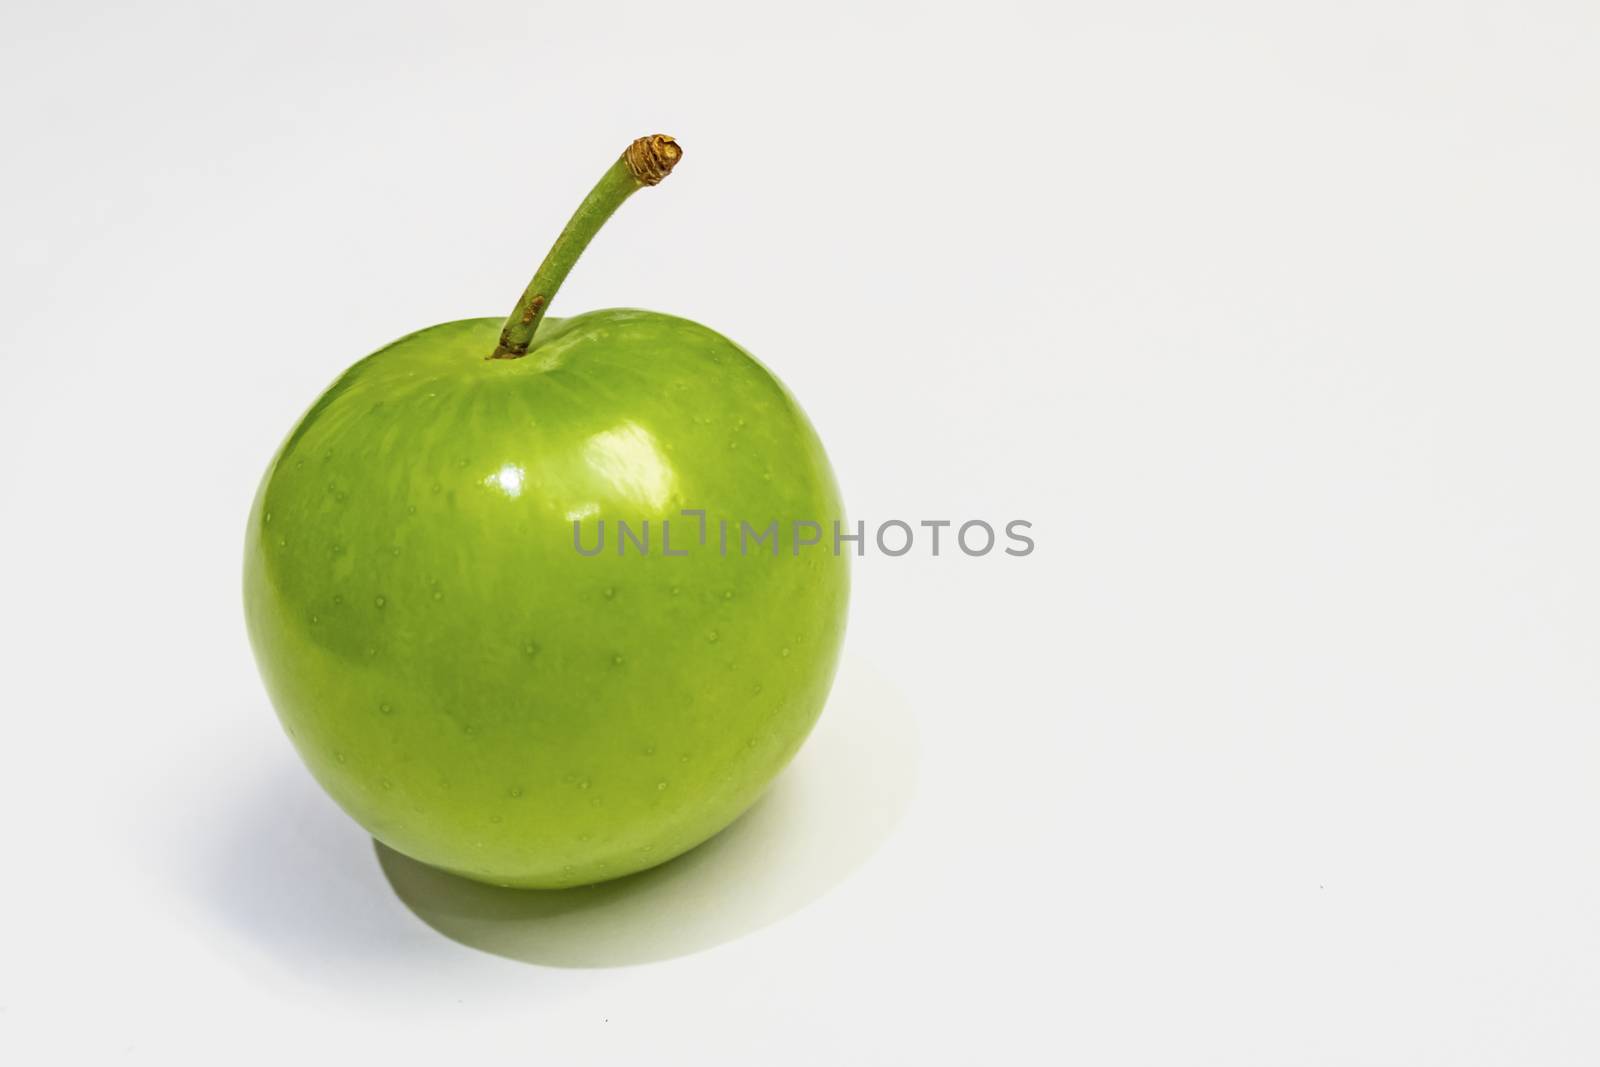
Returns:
point(1278, 320)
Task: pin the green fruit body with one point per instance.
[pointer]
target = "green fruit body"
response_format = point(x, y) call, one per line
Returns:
point(473, 689)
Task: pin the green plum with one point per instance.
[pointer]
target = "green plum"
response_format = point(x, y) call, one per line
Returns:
point(461, 670)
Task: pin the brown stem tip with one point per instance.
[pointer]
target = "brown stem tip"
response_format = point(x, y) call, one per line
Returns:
point(652, 158)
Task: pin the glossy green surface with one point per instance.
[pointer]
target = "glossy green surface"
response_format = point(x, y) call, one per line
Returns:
point(461, 680)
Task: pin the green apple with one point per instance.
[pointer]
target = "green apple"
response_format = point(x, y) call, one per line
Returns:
point(470, 686)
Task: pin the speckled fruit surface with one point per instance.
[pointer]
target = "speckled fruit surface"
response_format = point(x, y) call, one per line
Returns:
point(467, 685)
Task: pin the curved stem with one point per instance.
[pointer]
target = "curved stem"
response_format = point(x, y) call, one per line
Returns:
point(646, 161)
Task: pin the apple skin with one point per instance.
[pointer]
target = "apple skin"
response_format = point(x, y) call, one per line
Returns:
point(465, 684)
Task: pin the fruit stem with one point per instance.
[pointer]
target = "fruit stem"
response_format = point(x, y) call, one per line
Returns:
point(645, 162)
